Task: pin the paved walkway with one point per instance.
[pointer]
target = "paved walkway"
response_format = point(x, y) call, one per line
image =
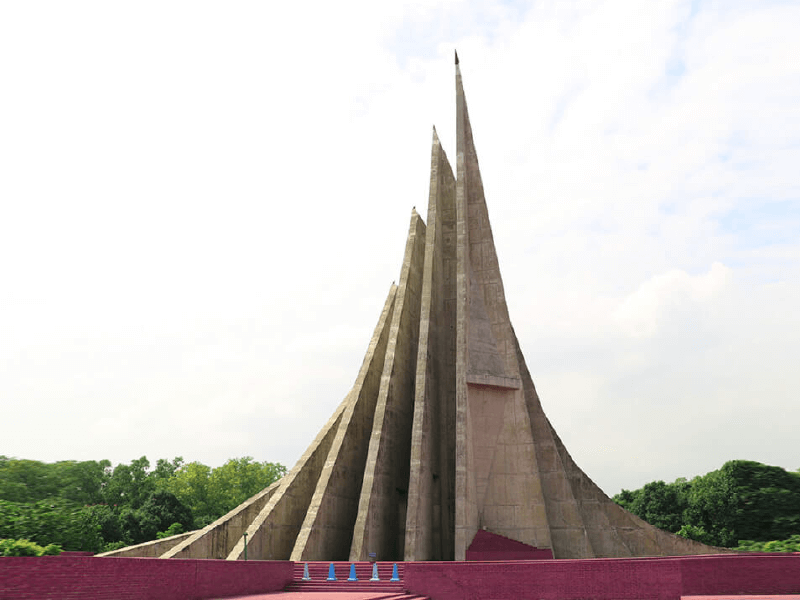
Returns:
point(325, 596)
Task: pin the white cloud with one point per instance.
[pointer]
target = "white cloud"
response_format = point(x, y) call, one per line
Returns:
point(641, 313)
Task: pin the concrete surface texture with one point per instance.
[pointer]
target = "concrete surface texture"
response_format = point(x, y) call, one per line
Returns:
point(443, 433)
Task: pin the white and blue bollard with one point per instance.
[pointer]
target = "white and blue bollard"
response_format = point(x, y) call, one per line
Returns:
point(375, 572)
point(306, 576)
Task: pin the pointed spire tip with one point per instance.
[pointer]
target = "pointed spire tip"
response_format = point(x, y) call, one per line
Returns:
point(456, 53)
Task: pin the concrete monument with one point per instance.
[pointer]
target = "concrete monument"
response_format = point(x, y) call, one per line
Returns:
point(443, 433)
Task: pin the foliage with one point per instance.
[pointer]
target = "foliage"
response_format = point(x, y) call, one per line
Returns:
point(159, 512)
point(174, 529)
point(54, 520)
point(111, 546)
point(661, 505)
point(697, 533)
point(31, 480)
point(90, 506)
point(129, 484)
point(210, 493)
point(743, 500)
point(10, 547)
point(790, 545)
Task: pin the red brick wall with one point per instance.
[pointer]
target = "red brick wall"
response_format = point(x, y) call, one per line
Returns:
point(71, 578)
point(607, 579)
point(93, 578)
point(759, 574)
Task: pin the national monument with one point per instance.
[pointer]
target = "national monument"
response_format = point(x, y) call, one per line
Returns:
point(442, 434)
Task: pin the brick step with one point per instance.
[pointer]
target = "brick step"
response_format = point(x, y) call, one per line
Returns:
point(378, 595)
point(343, 583)
point(319, 571)
point(343, 577)
point(348, 586)
point(338, 563)
point(344, 573)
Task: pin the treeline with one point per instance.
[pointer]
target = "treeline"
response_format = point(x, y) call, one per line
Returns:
point(90, 506)
point(745, 505)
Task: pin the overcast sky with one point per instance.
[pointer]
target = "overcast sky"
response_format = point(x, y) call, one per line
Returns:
point(203, 205)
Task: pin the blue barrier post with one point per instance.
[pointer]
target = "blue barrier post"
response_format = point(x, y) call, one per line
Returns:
point(395, 576)
point(331, 573)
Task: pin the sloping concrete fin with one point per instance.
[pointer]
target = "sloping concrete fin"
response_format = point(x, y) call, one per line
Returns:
point(273, 533)
point(613, 531)
point(380, 525)
point(217, 538)
point(567, 530)
point(151, 549)
point(430, 514)
point(327, 530)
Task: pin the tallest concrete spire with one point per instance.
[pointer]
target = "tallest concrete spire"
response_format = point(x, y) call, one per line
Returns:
point(498, 486)
point(443, 434)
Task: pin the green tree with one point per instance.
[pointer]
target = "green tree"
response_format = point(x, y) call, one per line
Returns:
point(82, 482)
point(26, 480)
point(626, 498)
point(129, 484)
point(10, 547)
point(58, 521)
point(768, 501)
point(743, 500)
point(90, 506)
point(190, 486)
point(166, 469)
point(239, 479)
point(10, 513)
point(210, 493)
point(661, 504)
point(159, 512)
point(790, 545)
point(712, 508)
point(107, 520)
point(174, 529)
point(32, 480)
